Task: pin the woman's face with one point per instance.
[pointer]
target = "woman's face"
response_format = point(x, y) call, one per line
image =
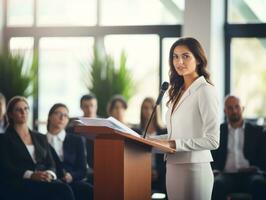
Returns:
point(59, 118)
point(147, 109)
point(184, 61)
point(20, 113)
point(118, 111)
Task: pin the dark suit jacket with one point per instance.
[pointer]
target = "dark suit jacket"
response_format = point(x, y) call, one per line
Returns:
point(251, 149)
point(16, 158)
point(74, 160)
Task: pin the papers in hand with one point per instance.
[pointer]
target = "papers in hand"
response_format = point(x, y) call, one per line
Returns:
point(108, 122)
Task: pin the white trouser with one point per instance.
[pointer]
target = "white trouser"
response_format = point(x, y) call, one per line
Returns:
point(189, 181)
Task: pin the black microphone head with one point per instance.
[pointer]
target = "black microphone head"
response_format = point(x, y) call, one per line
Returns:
point(165, 86)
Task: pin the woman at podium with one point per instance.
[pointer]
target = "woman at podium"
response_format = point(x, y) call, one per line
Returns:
point(192, 123)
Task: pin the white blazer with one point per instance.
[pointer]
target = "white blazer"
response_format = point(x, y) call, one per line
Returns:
point(194, 124)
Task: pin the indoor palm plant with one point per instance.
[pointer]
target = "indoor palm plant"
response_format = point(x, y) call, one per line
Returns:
point(105, 79)
point(16, 78)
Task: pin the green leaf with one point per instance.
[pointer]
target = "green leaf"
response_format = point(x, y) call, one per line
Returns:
point(107, 80)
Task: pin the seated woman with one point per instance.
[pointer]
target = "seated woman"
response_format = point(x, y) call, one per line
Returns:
point(117, 107)
point(68, 151)
point(27, 167)
point(155, 128)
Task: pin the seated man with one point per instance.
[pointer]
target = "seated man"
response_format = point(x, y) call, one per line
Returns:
point(237, 160)
point(88, 105)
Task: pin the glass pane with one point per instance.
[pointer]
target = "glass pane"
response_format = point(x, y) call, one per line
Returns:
point(249, 74)
point(19, 13)
point(24, 46)
point(143, 61)
point(60, 73)
point(66, 12)
point(139, 12)
point(246, 11)
point(167, 43)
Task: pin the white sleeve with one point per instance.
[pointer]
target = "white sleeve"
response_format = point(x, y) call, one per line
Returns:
point(27, 174)
point(52, 173)
point(208, 107)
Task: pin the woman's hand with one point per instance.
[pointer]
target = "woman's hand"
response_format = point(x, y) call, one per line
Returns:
point(41, 176)
point(168, 143)
point(68, 178)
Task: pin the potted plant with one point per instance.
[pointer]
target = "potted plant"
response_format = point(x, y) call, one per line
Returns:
point(16, 78)
point(104, 79)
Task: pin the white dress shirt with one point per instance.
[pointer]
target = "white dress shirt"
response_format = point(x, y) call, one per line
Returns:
point(56, 141)
point(235, 156)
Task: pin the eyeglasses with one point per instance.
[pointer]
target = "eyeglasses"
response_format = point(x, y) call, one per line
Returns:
point(60, 114)
point(21, 110)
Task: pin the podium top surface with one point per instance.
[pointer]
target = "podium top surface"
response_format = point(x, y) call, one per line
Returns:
point(94, 132)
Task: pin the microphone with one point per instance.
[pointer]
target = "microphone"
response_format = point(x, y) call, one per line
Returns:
point(163, 89)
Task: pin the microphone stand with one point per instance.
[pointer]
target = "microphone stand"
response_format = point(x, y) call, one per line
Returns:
point(151, 117)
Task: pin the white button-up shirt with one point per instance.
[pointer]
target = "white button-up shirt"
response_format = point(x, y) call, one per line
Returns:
point(56, 141)
point(235, 149)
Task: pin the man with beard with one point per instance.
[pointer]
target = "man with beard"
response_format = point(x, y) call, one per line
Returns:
point(237, 160)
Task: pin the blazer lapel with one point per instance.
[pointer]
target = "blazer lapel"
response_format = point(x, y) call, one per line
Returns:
point(18, 144)
point(39, 151)
point(184, 96)
point(192, 88)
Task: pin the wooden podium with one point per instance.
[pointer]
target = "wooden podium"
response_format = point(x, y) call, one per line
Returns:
point(122, 163)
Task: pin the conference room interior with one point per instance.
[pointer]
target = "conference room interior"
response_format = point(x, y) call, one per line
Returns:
point(61, 39)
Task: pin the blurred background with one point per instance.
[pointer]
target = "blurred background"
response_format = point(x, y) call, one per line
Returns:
point(60, 38)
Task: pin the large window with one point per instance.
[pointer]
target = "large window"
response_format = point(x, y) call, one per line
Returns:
point(64, 32)
point(139, 12)
point(245, 54)
point(60, 72)
point(143, 62)
point(246, 11)
point(20, 13)
point(249, 74)
point(66, 12)
point(23, 46)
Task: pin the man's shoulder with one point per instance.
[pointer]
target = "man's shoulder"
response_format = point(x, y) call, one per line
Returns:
point(253, 127)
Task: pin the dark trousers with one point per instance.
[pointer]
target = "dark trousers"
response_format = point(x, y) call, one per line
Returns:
point(82, 190)
point(227, 183)
point(33, 190)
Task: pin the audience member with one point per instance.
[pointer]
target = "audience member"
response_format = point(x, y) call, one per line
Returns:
point(155, 128)
point(237, 160)
point(88, 105)
point(117, 107)
point(3, 119)
point(69, 152)
point(28, 169)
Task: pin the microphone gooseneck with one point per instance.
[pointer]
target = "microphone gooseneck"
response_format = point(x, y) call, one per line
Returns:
point(163, 89)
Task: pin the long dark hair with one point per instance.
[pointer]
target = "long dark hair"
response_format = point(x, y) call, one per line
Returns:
point(10, 107)
point(52, 110)
point(156, 119)
point(177, 81)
